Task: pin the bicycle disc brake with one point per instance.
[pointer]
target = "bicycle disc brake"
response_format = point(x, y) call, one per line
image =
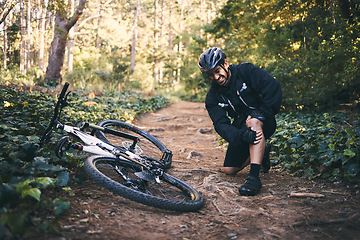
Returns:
point(62, 146)
point(149, 176)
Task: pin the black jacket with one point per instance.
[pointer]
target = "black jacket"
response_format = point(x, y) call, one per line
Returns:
point(250, 88)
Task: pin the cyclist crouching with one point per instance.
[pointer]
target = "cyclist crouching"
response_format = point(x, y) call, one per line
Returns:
point(242, 103)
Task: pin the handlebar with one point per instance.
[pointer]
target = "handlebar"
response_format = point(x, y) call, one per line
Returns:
point(60, 104)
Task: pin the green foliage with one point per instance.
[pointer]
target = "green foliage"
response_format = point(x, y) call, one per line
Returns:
point(26, 170)
point(311, 47)
point(319, 145)
point(195, 85)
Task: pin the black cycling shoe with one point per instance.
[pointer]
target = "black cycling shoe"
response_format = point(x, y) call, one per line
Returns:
point(265, 164)
point(251, 187)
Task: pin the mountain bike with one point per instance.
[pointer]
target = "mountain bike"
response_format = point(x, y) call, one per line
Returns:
point(120, 164)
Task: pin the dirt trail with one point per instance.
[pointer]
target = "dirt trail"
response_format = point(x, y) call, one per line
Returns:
point(186, 129)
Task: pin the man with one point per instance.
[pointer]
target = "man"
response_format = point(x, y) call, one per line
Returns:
point(242, 103)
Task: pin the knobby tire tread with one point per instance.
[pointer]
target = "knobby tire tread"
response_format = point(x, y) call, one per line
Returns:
point(139, 196)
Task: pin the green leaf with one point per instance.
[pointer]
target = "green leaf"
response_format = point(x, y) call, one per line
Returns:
point(60, 206)
point(23, 186)
point(349, 153)
point(62, 179)
point(32, 192)
point(350, 132)
point(45, 181)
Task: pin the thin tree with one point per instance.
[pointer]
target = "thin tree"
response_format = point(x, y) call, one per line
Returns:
point(28, 32)
point(71, 40)
point(23, 38)
point(170, 46)
point(156, 44)
point(58, 45)
point(134, 36)
point(5, 46)
point(41, 31)
point(99, 22)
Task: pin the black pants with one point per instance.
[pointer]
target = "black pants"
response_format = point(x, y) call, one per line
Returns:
point(237, 153)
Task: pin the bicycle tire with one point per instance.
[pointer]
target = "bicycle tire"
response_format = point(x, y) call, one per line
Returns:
point(170, 194)
point(149, 145)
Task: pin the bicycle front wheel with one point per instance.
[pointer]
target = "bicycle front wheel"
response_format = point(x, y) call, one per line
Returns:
point(119, 176)
point(148, 146)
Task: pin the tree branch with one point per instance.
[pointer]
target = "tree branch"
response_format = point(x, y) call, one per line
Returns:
point(7, 9)
point(77, 14)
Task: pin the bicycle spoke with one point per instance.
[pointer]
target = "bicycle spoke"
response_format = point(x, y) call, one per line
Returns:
point(164, 190)
point(121, 135)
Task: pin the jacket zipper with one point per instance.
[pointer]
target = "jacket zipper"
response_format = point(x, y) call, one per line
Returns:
point(244, 101)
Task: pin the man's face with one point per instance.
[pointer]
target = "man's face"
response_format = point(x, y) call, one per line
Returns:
point(218, 74)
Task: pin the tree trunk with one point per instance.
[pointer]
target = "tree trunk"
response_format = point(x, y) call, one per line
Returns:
point(162, 23)
point(5, 46)
point(23, 39)
point(171, 73)
point(100, 19)
point(162, 42)
point(41, 37)
point(71, 42)
point(180, 48)
point(170, 27)
point(57, 50)
point(156, 43)
point(134, 35)
point(28, 36)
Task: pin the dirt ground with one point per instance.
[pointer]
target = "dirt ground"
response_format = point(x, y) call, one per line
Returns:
point(274, 213)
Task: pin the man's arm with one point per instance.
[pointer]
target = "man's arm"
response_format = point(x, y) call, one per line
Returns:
point(222, 124)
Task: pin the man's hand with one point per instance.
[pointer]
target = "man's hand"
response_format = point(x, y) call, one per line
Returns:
point(255, 125)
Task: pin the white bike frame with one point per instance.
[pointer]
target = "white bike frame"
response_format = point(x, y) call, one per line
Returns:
point(96, 146)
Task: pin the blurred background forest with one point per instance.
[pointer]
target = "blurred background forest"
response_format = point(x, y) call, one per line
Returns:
point(311, 47)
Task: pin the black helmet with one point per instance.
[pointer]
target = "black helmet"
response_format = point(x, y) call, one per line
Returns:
point(210, 58)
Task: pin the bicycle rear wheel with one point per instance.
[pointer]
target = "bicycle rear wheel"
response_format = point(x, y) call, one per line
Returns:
point(170, 193)
point(148, 145)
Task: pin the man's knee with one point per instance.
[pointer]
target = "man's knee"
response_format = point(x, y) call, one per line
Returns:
point(231, 170)
point(254, 124)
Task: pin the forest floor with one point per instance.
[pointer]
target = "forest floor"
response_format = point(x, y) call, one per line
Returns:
point(186, 130)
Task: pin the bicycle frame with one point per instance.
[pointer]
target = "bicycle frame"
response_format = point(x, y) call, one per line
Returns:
point(96, 146)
